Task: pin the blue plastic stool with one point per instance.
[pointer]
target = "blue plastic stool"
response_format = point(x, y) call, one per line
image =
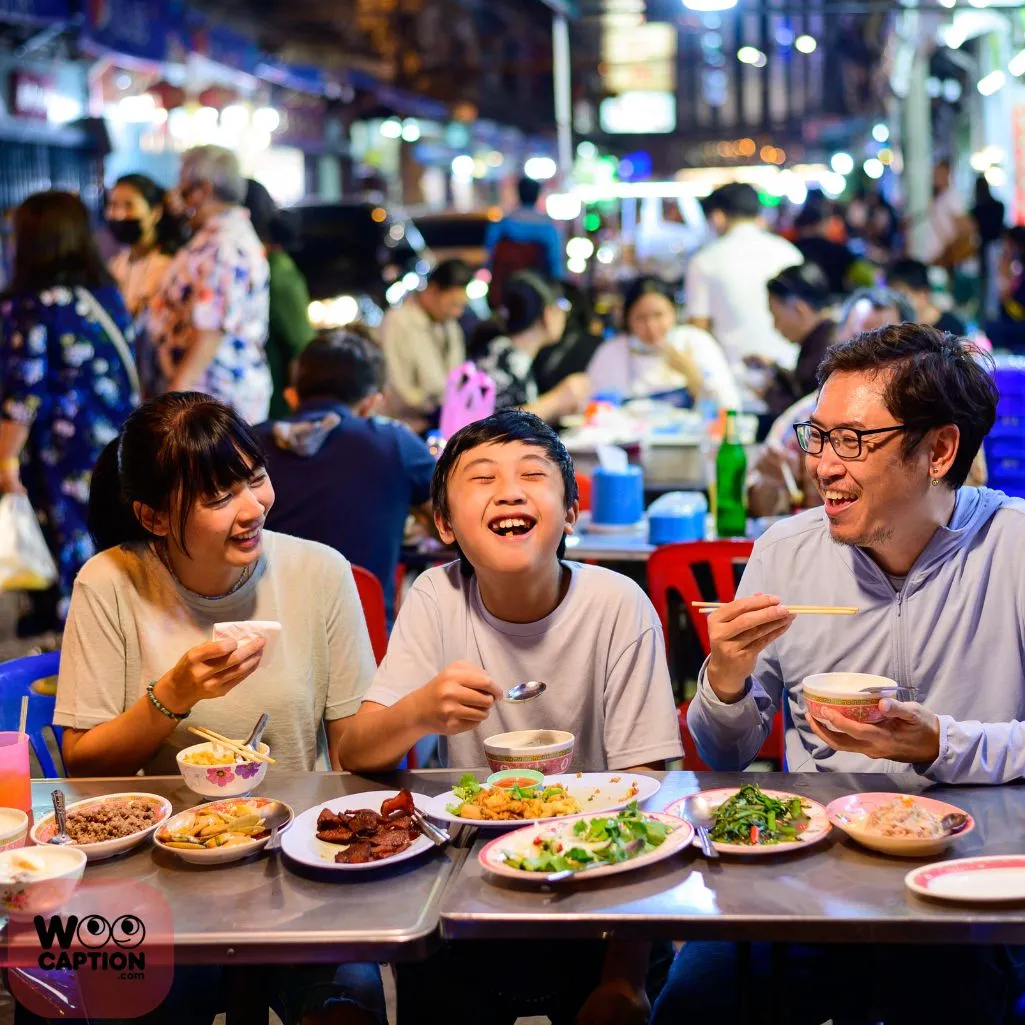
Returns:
point(16, 679)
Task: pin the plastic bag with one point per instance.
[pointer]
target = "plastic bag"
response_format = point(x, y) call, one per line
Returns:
point(25, 560)
point(469, 397)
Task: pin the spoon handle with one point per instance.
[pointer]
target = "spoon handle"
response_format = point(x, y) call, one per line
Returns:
point(254, 737)
point(59, 812)
point(706, 843)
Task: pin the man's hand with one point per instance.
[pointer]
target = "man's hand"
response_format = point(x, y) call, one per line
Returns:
point(10, 481)
point(459, 698)
point(910, 733)
point(615, 1002)
point(739, 632)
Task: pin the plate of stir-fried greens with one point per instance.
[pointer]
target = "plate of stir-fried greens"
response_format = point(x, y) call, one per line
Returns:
point(750, 820)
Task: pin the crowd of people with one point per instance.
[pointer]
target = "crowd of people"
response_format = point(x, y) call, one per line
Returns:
point(195, 454)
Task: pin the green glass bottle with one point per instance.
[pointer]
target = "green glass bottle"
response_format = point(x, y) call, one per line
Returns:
point(730, 481)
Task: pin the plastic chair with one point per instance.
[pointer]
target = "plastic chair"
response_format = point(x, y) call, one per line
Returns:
point(16, 679)
point(584, 491)
point(671, 568)
point(371, 596)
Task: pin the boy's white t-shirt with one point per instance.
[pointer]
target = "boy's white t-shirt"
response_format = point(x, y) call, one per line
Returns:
point(130, 622)
point(600, 652)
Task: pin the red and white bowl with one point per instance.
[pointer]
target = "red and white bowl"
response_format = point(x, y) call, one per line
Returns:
point(548, 751)
point(850, 695)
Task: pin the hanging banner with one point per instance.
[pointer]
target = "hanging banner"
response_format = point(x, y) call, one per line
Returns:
point(133, 28)
point(36, 11)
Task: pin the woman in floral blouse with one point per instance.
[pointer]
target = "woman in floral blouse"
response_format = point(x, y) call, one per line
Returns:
point(67, 376)
point(209, 321)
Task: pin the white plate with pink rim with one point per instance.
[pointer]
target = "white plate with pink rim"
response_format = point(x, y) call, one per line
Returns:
point(818, 828)
point(991, 879)
point(493, 856)
point(594, 792)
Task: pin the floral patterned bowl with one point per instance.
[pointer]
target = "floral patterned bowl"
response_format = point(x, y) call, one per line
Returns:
point(42, 888)
point(13, 828)
point(548, 751)
point(217, 781)
point(851, 695)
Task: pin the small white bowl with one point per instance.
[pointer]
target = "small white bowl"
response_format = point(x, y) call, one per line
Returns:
point(547, 751)
point(13, 828)
point(103, 849)
point(221, 781)
point(216, 855)
point(28, 894)
point(848, 813)
point(851, 695)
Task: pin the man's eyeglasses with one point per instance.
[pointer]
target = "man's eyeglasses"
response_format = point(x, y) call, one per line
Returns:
point(846, 441)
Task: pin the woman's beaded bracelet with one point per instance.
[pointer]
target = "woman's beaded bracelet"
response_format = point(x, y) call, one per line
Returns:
point(161, 707)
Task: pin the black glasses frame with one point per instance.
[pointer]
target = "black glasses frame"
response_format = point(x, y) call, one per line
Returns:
point(861, 435)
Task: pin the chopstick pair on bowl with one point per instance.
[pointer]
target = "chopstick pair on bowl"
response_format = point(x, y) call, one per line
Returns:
point(706, 607)
point(248, 753)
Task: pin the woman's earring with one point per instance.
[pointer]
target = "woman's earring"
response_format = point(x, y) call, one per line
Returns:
point(935, 483)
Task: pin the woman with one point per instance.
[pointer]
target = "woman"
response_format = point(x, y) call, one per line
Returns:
point(573, 352)
point(138, 219)
point(533, 316)
point(210, 319)
point(290, 330)
point(67, 377)
point(658, 356)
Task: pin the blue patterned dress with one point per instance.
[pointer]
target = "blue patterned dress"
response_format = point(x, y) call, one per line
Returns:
point(61, 376)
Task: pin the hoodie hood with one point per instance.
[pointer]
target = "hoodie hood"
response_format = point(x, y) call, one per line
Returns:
point(305, 438)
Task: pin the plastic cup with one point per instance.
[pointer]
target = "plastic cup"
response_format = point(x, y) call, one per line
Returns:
point(15, 773)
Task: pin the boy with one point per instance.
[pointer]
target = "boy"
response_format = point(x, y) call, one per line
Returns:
point(510, 610)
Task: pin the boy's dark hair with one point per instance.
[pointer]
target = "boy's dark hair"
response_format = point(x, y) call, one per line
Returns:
point(344, 365)
point(912, 274)
point(806, 281)
point(451, 274)
point(500, 429)
point(735, 200)
point(880, 299)
point(529, 191)
point(936, 379)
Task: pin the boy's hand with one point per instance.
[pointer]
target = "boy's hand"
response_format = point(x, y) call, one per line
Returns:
point(456, 700)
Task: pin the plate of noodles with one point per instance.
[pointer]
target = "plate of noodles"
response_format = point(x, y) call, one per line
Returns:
point(904, 824)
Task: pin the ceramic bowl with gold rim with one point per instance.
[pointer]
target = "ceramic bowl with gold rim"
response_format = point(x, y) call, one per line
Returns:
point(850, 695)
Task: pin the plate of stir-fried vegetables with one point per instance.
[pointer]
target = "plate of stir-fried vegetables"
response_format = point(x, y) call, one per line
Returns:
point(750, 820)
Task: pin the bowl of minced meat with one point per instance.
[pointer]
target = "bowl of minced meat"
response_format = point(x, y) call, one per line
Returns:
point(104, 826)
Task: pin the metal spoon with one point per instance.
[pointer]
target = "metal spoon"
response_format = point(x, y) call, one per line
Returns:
point(697, 812)
point(60, 816)
point(438, 836)
point(254, 737)
point(526, 691)
point(568, 873)
point(953, 823)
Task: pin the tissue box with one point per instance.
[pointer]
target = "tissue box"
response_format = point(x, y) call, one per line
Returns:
point(617, 496)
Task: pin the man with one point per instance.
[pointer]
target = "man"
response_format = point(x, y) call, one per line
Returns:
point(798, 298)
point(209, 321)
point(949, 236)
point(726, 280)
point(900, 416)
point(344, 477)
point(910, 278)
point(524, 240)
point(423, 343)
point(767, 492)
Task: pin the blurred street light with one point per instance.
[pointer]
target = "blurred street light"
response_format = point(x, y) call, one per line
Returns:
point(410, 130)
point(752, 55)
point(540, 168)
point(1016, 66)
point(991, 83)
point(709, 5)
point(462, 167)
point(873, 168)
point(392, 128)
point(842, 163)
point(880, 132)
point(806, 44)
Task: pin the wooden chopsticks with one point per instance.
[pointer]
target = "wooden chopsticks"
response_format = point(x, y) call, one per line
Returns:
point(246, 752)
point(800, 610)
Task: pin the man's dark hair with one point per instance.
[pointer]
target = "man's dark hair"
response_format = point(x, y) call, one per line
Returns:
point(529, 191)
point(501, 428)
point(451, 274)
point(344, 365)
point(880, 299)
point(912, 274)
point(806, 281)
point(735, 200)
point(935, 379)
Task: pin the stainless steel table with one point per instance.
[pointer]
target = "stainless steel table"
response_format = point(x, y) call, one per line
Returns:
point(835, 891)
point(259, 911)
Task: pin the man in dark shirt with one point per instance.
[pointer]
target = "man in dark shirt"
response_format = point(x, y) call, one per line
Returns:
point(342, 476)
point(910, 278)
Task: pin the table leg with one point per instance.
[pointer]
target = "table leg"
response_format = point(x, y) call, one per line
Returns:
point(246, 996)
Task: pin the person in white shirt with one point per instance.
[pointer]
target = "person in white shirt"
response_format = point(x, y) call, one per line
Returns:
point(726, 280)
point(658, 356)
point(949, 235)
point(423, 343)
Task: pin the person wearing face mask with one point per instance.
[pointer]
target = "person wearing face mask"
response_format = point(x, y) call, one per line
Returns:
point(177, 507)
point(210, 319)
point(533, 315)
point(659, 356)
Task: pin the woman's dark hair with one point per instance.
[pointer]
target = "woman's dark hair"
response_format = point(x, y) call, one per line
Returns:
point(525, 297)
point(637, 289)
point(935, 379)
point(271, 224)
point(805, 281)
point(171, 229)
point(172, 451)
point(343, 365)
point(501, 428)
point(912, 274)
point(54, 245)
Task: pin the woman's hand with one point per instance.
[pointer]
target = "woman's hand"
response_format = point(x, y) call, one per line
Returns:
point(208, 670)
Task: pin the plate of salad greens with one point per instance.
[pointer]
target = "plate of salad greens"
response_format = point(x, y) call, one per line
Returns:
point(588, 845)
point(750, 820)
point(559, 796)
